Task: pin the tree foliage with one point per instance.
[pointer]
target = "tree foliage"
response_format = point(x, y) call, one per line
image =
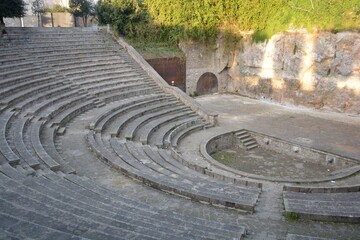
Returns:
point(81, 8)
point(11, 9)
point(173, 20)
point(127, 16)
point(57, 8)
point(38, 8)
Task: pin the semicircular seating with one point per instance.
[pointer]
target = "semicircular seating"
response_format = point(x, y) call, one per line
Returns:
point(49, 78)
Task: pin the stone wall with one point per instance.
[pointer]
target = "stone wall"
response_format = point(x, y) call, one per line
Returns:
point(320, 70)
point(172, 70)
point(59, 20)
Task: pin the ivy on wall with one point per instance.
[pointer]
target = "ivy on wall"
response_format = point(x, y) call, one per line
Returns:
point(174, 20)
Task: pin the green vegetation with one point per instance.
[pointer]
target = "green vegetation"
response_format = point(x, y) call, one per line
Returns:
point(224, 157)
point(194, 94)
point(81, 8)
point(56, 9)
point(174, 20)
point(38, 8)
point(292, 216)
point(153, 49)
point(11, 9)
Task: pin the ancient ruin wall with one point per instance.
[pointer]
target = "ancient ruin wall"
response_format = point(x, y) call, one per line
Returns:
point(319, 70)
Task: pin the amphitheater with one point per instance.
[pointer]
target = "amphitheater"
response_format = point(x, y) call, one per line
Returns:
point(95, 145)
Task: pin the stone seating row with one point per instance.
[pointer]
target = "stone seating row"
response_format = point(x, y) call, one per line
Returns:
point(339, 204)
point(125, 156)
point(139, 121)
point(72, 207)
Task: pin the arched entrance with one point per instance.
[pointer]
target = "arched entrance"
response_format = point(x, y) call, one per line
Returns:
point(207, 84)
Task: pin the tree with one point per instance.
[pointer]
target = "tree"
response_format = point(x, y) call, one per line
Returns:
point(11, 9)
point(81, 8)
point(38, 8)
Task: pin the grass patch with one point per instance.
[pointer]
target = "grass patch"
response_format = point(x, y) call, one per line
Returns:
point(150, 50)
point(224, 157)
point(292, 216)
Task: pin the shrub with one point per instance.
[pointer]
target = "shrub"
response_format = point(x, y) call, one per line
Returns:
point(174, 20)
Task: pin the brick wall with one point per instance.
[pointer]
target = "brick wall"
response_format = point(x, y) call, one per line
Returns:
point(173, 70)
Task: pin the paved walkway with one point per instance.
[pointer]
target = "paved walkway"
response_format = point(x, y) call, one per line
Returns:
point(331, 132)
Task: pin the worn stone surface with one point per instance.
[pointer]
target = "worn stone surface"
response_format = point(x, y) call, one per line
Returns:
point(320, 70)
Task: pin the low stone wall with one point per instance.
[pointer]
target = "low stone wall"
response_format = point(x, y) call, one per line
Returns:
point(28, 21)
point(320, 70)
point(46, 20)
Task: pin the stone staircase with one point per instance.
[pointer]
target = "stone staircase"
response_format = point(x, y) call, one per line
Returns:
point(246, 139)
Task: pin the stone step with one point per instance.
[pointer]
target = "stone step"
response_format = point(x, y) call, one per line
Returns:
point(5, 119)
point(157, 176)
point(22, 78)
point(340, 207)
point(303, 237)
point(20, 229)
point(161, 133)
point(18, 133)
point(144, 132)
point(128, 132)
point(136, 117)
point(249, 142)
point(251, 147)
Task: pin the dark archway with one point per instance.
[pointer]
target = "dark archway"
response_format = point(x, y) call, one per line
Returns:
point(207, 84)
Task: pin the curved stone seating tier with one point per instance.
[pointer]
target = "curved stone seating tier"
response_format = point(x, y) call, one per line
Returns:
point(56, 109)
point(16, 72)
point(102, 118)
point(143, 112)
point(21, 86)
point(50, 48)
point(5, 119)
point(104, 121)
point(340, 204)
point(69, 206)
point(147, 129)
point(22, 78)
point(124, 95)
point(61, 60)
point(103, 80)
point(127, 88)
point(61, 39)
point(84, 52)
point(161, 132)
point(66, 116)
point(182, 130)
point(46, 81)
point(47, 151)
point(105, 67)
point(23, 95)
point(66, 64)
point(38, 103)
point(116, 83)
point(87, 65)
point(10, 60)
point(93, 77)
point(18, 132)
point(21, 61)
point(129, 131)
point(153, 175)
